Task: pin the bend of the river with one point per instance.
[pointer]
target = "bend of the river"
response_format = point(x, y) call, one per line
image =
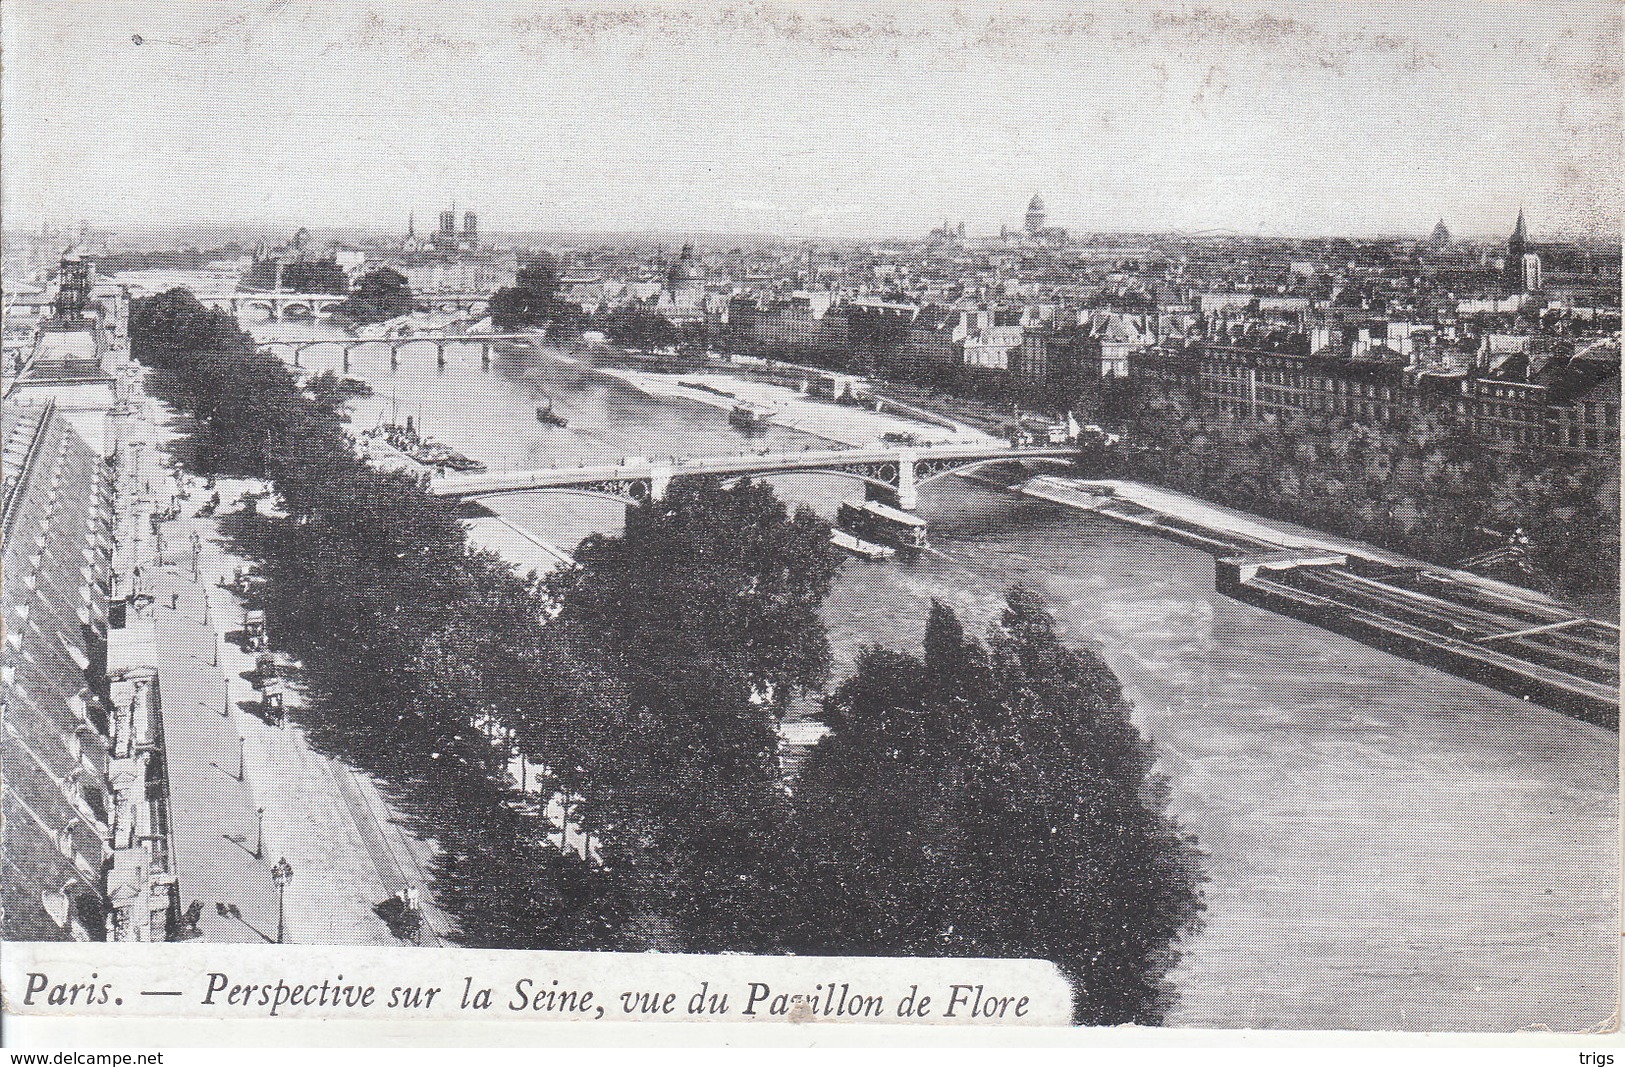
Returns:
point(1388, 847)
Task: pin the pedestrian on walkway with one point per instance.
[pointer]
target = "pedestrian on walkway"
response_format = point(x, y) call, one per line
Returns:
point(174, 601)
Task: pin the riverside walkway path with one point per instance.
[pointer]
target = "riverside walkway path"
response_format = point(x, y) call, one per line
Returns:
point(212, 820)
point(348, 846)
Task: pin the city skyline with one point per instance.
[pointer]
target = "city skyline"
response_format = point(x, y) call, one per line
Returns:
point(1259, 119)
point(277, 230)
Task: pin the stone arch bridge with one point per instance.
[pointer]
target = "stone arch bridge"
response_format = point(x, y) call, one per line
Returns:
point(294, 348)
point(279, 305)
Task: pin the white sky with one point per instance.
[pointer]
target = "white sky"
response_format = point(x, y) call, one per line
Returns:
point(817, 119)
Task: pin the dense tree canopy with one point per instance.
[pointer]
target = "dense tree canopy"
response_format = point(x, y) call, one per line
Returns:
point(708, 582)
point(539, 275)
point(246, 405)
point(330, 393)
point(378, 295)
point(297, 276)
point(1421, 486)
point(368, 583)
point(635, 325)
point(532, 302)
point(996, 801)
point(706, 609)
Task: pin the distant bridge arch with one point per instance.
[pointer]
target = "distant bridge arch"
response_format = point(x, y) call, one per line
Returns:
point(295, 347)
point(926, 472)
point(273, 305)
point(629, 494)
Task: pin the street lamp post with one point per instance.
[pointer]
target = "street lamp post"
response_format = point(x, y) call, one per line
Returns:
point(259, 836)
point(281, 874)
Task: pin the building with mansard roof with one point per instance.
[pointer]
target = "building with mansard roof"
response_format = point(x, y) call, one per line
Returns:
point(75, 804)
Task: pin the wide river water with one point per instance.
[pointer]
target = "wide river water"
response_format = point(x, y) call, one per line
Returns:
point(1387, 846)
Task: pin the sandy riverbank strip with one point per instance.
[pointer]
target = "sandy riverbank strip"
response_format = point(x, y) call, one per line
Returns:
point(790, 409)
point(527, 552)
point(1089, 494)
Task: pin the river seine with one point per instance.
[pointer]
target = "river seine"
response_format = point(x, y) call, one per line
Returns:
point(1387, 846)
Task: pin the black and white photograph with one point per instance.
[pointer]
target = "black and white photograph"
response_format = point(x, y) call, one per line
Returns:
point(1109, 511)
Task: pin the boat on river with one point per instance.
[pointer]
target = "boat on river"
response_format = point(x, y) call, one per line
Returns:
point(704, 388)
point(426, 450)
point(456, 461)
point(882, 524)
point(546, 414)
point(749, 417)
point(859, 547)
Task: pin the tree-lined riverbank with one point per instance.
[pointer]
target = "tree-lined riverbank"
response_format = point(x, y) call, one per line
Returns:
point(653, 694)
point(1304, 761)
point(1419, 484)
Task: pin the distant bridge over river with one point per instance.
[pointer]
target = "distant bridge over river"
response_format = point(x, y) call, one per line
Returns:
point(279, 305)
point(294, 348)
point(891, 473)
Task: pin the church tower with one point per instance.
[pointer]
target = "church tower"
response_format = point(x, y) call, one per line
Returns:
point(1036, 215)
point(1522, 264)
point(1517, 245)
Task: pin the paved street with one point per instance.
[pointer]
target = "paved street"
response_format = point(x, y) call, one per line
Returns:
point(213, 831)
point(347, 846)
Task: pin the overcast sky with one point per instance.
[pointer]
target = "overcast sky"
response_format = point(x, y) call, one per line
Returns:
point(813, 119)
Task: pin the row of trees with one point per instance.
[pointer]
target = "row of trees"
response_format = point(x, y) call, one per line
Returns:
point(297, 275)
point(378, 296)
point(533, 302)
point(637, 325)
point(408, 642)
point(1421, 486)
point(987, 799)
